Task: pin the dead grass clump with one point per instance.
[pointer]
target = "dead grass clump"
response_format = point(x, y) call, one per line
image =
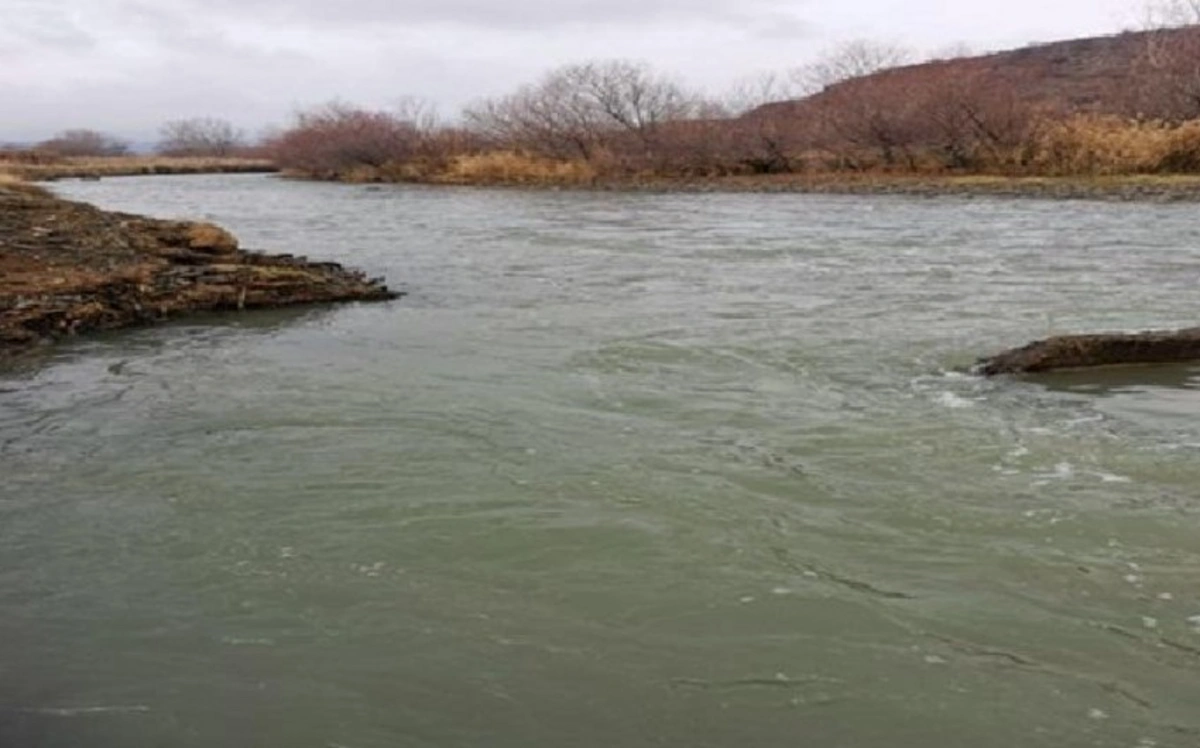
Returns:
point(512, 167)
point(1183, 152)
point(113, 166)
point(14, 183)
point(1112, 146)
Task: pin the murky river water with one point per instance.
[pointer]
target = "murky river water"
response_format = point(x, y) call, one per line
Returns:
point(620, 470)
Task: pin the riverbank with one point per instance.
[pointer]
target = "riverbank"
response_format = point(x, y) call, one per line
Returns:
point(1124, 188)
point(128, 166)
point(1180, 188)
point(68, 268)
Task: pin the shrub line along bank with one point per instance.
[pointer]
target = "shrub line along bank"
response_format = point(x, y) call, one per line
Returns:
point(1113, 106)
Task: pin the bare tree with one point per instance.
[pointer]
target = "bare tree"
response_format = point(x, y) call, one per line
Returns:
point(83, 142)
point(200, 136)
point(582, 110)
point(971, 119)
point(420, 113)
point(548, 119)
point(338, 137)
point(1171, 61)
point(749, 93)
point(632, 96)
point(768, 129)
point(1171, 13)
point(869, 123)
point(853, 59)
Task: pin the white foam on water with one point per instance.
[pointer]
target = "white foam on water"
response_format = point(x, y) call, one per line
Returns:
point(1084, 420)
point(958, 376)
point(86, 711)
point(1062, 471)
point(951, 400)
point(237, 642)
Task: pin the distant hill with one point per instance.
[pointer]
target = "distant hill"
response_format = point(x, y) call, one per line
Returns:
point(1106, 75)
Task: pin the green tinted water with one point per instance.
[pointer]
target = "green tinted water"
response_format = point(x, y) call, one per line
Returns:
point(619, 470)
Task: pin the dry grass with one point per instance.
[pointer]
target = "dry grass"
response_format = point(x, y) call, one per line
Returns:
point(114, 166)
point(1105, 146)
point(17, 184)
point(511, 167)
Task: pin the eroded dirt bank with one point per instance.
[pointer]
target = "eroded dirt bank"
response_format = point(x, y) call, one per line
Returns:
point(68, 268)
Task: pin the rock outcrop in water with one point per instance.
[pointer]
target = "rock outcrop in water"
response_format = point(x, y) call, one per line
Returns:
point(68, 268)
point(1081, 351)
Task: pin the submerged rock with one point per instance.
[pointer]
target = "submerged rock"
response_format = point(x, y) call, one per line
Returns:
point(68, 268)
point(1107, 349)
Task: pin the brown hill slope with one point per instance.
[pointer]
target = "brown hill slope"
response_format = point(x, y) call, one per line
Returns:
point(1125, 74)
point(1041, 109)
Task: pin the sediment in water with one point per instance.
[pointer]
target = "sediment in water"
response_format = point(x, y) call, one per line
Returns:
point(1084, 351)
point(67, 268)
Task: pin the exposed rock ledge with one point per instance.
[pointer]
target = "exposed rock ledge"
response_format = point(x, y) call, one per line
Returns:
point(68, 268)
point(1081, 351)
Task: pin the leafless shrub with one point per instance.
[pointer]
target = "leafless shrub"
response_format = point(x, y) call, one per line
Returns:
point(612, 110)
point(1170, 64)
point(339, 140)
point(82, 142)
point(200, 136)
point(854, 59)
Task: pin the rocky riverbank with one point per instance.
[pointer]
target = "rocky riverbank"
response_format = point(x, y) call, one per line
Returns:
point(68, 268)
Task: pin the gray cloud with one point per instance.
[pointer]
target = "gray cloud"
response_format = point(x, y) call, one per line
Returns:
point(128, 65)
point(28, 23)
point(527, 14)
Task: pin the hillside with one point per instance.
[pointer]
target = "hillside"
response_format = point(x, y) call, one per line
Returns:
point(1123, 74)
point(1120, 105)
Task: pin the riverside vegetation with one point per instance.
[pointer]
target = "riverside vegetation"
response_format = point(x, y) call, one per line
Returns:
point(202, 145)
point(1113, 115)
point(38, 166)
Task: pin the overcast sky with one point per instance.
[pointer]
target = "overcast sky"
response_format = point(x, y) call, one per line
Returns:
point(125, 66)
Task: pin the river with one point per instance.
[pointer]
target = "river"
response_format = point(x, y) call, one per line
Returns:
point(618, 470)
